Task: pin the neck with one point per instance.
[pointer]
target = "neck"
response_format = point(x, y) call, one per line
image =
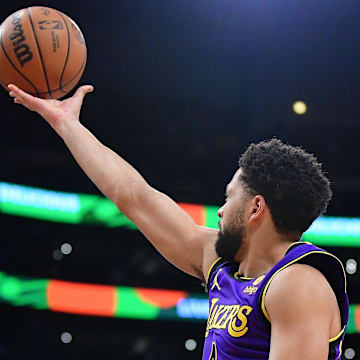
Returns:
point(261, 252)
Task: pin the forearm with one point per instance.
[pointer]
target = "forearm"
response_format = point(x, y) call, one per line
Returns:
point(166, 225)
point(114, 177)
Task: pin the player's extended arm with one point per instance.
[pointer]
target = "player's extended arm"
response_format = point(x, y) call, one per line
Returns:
point(170, 229)
point(304, 313)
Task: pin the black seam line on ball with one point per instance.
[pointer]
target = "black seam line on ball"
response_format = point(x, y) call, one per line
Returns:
point(61, 89)
point(3, 84)
point(68, 51)
point(12, 64)
point(52, 90)
point(41, 57)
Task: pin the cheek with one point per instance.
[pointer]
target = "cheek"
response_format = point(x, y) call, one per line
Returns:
point(228, 214)
point(233, 214)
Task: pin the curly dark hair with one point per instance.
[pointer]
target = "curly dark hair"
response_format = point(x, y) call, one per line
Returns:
point(291, 180)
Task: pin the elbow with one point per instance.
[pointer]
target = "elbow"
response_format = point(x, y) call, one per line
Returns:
point(130, 196)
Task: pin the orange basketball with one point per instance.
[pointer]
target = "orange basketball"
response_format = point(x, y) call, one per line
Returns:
point(42, 51)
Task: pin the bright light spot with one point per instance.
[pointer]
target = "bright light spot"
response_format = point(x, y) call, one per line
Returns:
point(57, 255)
point(190, 344)
point(66, 338)
point(351, 266)
point(349, 353)
point(66, 248)
point(141, 345)
point(299, 107)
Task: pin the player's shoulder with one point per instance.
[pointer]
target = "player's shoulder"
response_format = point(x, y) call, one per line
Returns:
point(298, 285)
point(297, 275)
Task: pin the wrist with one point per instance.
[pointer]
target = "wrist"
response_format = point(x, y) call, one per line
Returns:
point(66, 128)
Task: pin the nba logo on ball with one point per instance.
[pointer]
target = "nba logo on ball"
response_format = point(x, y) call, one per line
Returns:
point(43, 52)
point(50, 25)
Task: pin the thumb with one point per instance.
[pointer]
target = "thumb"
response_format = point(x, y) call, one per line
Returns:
point(82, 91)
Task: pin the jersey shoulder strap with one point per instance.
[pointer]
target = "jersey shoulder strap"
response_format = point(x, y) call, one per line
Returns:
point(328, 264)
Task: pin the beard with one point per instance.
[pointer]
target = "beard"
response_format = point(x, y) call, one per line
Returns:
point(230, 241)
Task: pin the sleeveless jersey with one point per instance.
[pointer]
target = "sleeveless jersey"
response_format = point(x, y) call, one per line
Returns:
point(239, 327)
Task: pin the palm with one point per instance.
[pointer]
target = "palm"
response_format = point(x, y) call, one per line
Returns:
point(56, 110)
point(53, 111)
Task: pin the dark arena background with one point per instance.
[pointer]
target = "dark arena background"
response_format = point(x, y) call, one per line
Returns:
point(181, 88)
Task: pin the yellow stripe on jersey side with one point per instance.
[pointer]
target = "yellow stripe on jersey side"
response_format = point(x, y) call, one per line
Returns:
point(340, 350)
point(213, 355)
point(211, 267)
point(290, 263)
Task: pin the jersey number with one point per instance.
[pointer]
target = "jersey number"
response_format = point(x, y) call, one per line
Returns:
point(213, 355)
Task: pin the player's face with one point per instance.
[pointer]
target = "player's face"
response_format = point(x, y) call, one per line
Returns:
point(232, 223)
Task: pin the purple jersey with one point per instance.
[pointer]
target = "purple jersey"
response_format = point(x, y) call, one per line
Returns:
point(238, 326)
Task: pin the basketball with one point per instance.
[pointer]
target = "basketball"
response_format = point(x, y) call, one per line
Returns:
point(43, 52)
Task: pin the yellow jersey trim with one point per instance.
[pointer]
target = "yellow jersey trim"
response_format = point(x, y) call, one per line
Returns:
point(285, 266)
point(297, 242)
point(236, 275)
point(211, 267)
point(338, 335)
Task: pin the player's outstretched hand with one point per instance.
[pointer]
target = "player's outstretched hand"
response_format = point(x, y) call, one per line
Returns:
point(55, 112)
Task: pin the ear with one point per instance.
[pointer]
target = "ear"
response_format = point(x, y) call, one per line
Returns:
point(257, 209)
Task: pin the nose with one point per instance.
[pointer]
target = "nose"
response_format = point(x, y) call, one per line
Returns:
point(220, 212)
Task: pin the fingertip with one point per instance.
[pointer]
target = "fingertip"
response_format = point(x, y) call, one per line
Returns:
point(89, 88)
point(13, 87)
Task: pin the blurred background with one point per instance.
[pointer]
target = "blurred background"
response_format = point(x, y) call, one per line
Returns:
point(181, 88)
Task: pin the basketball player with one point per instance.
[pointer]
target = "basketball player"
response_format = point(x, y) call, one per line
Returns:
point(271, 296)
